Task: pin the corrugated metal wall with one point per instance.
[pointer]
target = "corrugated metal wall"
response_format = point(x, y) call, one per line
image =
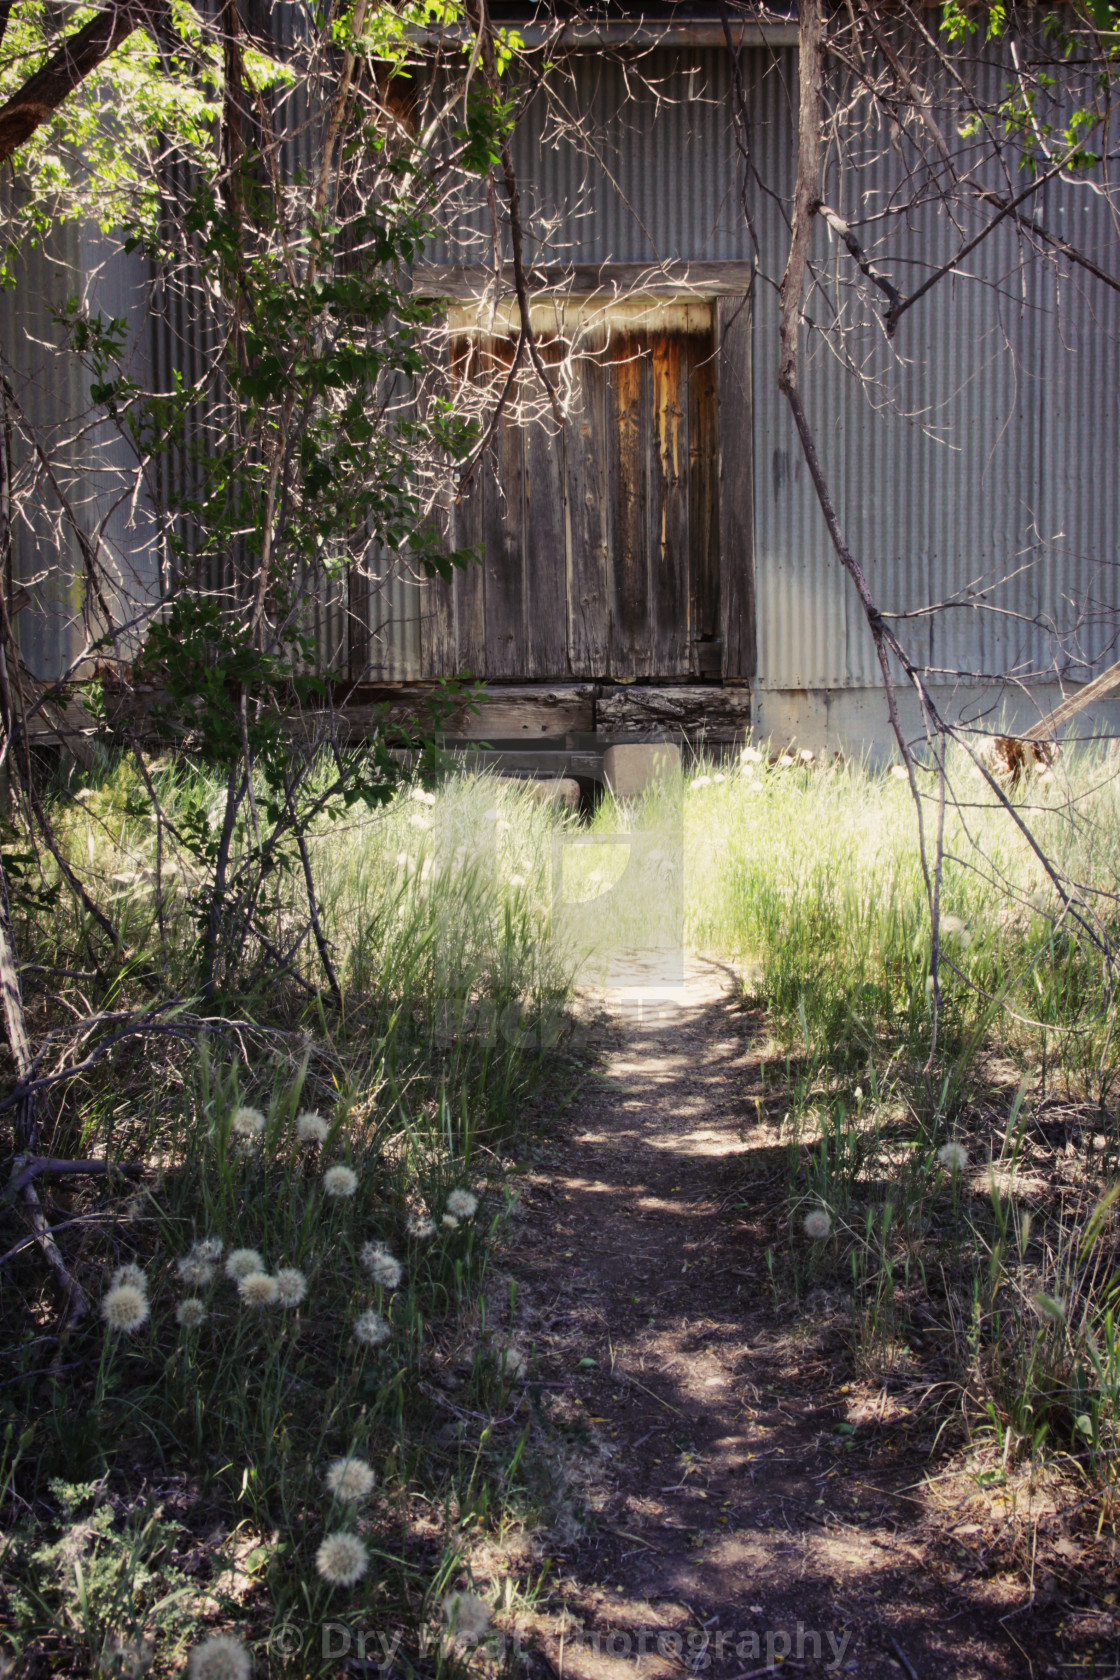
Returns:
point(975, 456)
point(92, 468)
point(980, 457)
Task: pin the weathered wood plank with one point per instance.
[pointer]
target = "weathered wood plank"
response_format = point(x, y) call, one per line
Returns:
point(736, 488)
point(630, 631)
point(507, 605)
point(605, 280)
point(703, 510)
point(546, 562)
point(668, 507)
point(588, 452)
point(700, 711)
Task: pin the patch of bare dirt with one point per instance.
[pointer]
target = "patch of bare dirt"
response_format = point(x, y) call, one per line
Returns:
point(738, 1502)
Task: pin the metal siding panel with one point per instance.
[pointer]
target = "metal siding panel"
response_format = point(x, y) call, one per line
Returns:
point(963, 465)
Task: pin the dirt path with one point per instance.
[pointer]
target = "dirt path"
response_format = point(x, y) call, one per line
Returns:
point(728, 1476)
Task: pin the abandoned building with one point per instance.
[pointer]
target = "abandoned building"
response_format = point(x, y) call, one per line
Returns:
point(655, 563)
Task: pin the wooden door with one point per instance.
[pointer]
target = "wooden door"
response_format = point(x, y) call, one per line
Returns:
point(600, 536)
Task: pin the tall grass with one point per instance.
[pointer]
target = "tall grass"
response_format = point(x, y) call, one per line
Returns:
point(162, 1483)
point(965, 1200)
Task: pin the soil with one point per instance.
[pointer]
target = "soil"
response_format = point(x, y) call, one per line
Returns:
point(741, 1495)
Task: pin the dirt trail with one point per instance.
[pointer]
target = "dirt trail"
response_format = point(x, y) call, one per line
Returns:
point(728, 1473)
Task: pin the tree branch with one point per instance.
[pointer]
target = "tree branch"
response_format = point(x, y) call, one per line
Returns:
point(70, 64)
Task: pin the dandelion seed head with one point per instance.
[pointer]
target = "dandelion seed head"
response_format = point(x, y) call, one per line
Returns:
point(858, 1095)
point(350, 1479)
point(818, 1224)
point(291, 1286)
point(195, 1271)
point(259, 1290)
point(340, 1182)
point(422, 796)
point(750, 755)
point(210, 1248)
point(952, 925)
point(311, 1127)
point(517, 880)
point(513, 1363)
point(900, 773)
point(449, 1222)
point(463, 1204)
point(419, 1227)
point(371, 1329)
point(384, 1268)
point(806, 755)
point(125, 1308)
point(719, 777)
point(242, 1263)
point(247, 1122)
point(701, 781)
point(130, 1277)
point(221, 1657)
point(786, 760)
point(953, 1157)
point(467, 1616)
point(191, 1312)
point(342, 1559)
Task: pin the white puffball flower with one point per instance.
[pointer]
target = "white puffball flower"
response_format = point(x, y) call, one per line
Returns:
point(259, 1290)
point(291, 1286)
point(806, 755)
point(422, 796)
point(750, 755)
point(463, 1204)
point(467, 1616)
point(340, 1182)
point(858, 1095)
point(222, 1657)
point(194, 1270)
point(130, 1277)
point(371, 1329)
point(419, 1227)
point(513, 1364)
point(818, 1224)
point(311, 1127)
point(247, 1122)
point(953, 1157)
point(342, 1559)
point(125, 1308)
point(242, 1263)
point(900, 773)
point(350, 1479)
point(210, 1248)
point(191, 1312)
point(449, 1222)
point(384, 1268)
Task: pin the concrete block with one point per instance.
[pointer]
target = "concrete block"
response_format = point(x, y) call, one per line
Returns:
point(555, 790)
point(630, 769)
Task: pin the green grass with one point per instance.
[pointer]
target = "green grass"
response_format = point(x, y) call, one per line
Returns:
point(162, 1484)
point(1005, 1274)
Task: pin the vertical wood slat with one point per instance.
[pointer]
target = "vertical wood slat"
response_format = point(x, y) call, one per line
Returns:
point(670, 637)
point(469, 584)
point(703, 511)
point(590, 529)
point(736, 488)
point(439, 654)
point(544, 542)
point(629, 444)
point(505, 564)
